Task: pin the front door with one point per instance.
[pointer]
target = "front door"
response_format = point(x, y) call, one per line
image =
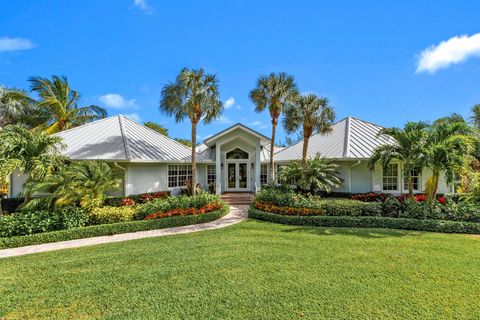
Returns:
point(237, 176)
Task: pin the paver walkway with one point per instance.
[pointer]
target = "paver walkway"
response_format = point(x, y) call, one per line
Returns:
point(236, 214)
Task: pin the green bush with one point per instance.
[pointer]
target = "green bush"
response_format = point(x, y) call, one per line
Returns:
point(368, 222)
point(176, 202)
point(347, 207)
point(111, 229)
point(20, 223)
point(110, 215)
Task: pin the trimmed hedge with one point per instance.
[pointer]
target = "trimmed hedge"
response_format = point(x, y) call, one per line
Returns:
point(368, 222)
point(110, 229)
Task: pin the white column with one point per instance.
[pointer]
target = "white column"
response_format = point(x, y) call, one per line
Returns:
point(257, 165)
point(218, 170)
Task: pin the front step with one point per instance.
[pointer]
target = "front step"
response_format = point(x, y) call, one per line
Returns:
point(237, 198)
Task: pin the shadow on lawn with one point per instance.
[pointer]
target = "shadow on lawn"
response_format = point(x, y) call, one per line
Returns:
point(358, 232)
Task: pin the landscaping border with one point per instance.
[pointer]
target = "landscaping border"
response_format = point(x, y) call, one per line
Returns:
point(367, 222)
point(111, 229)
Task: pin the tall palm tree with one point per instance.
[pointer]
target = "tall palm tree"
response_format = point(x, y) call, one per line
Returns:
point(447, 149)
point(310, 114)
point(274, 92)
point(193, 95)
point(61, 104)
point(36, 154)
point(83, 183)
point(408, 148)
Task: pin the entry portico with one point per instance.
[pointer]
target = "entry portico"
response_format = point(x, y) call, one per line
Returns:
point(237, 155)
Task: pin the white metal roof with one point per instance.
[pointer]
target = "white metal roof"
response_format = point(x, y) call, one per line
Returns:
point(121, 139)
point(350, 138)
point(263, 139)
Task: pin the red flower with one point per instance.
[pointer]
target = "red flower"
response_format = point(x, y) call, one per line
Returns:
point(420, 198)
point(442, 200)
point(128, 202)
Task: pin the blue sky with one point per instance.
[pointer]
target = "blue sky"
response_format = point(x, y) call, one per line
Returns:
point(382, 61)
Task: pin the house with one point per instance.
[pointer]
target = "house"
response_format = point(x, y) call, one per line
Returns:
point(235, 159)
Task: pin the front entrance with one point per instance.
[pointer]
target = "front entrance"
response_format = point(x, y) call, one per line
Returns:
point(237, 176)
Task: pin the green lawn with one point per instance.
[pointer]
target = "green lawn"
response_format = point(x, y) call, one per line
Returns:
point(253, 270)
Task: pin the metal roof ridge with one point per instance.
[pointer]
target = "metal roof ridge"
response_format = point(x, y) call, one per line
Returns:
point(123, 132)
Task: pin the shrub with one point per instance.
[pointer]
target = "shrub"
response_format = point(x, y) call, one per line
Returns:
point(110, 229)
point(185, 212)
point(370, 197)
point(368, 222)
point(139, 198)
point(178, 202)
point(107, 215)
point(127, 202)
point(18, 224)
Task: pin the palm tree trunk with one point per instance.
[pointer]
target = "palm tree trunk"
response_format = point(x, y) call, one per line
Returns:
point(435, 178)
point(194, 159)
point(307, 132)
point(272, 148)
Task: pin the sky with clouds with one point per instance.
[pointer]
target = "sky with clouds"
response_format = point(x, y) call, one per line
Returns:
point(385, 62)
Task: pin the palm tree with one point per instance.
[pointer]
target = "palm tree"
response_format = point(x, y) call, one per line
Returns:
point(157, 127)
point(447, 149)
point(476, 115)
point(81, 183)
point(275, 92)
point(311, 114)
point(16, 107)
point(36, 154)
point(193, 95)
point(317, 174)
point(408, 148)
point(61, 104)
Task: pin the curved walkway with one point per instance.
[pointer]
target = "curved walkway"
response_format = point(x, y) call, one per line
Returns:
point(237, 214)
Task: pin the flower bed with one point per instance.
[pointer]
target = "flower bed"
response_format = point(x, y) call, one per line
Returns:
point(185, 212)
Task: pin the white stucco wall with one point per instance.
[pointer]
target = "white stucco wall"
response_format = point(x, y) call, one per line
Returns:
point(17, 180)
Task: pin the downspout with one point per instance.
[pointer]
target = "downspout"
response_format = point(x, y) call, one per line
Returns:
point(350, 174)
point(125, 179)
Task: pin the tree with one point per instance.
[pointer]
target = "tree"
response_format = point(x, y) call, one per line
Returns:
point(193, 95)
point(81, 183)
point(35, 154)
point(157, 127)
point(61, 104)
point(183, 141)
point(310, 114)
point(476, 115)
point(448, 147)
point(408, 148)
point(316, 174)
point(274, 92)
point(16, 107)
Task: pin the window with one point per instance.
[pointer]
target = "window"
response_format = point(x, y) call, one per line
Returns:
point(236, 154)
point(415, 180)
point(390, 177)
point(263, 174)
point(178, 174)
point(211, 174)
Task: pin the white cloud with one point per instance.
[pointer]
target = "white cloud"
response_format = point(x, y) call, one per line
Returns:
point(224, 120)
point(134, 116)
point(143, 5)
point(229, 103)
point(238, 107)
point(452, 51)
point(115, 100)
point(14, 44)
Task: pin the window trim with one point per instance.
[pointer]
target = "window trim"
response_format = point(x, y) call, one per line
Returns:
point(267, 173)
point(177, 175)
point(214, 169)
point(419, 181)
point(398, 181)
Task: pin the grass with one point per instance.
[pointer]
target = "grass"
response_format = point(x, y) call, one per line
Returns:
point(253, 270)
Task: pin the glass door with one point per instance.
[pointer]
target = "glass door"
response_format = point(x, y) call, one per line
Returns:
point(237, 176)
point(232, 176)
point(242, 176)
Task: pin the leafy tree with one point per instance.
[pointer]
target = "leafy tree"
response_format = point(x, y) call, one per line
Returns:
point(193, 95)
point(274, 92)
point(408, 148)
point(476, 115)
point(157, 127)
point(81, 183)
point(185, 142)
point(36, 154)
point(447, 149)
point(316, 174)
point(310, 114)
point(60, 102)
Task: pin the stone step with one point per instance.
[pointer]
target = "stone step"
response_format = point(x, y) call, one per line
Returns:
point(237, 198)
